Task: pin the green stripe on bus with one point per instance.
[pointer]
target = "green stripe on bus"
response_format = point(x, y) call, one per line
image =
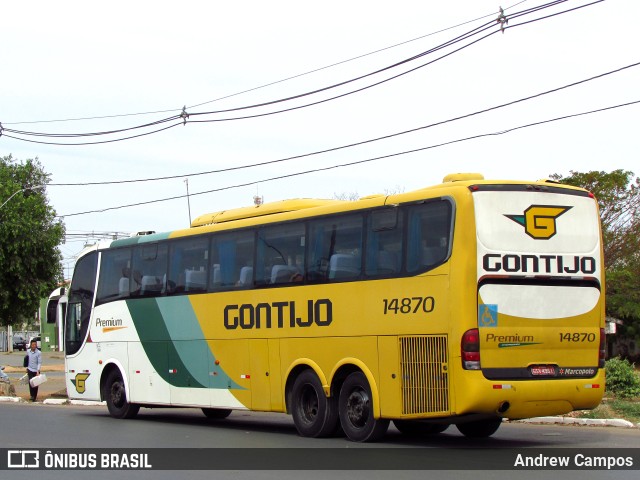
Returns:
point(125, 242)
point(183, 326)
point(153, 333)
point(183, 360)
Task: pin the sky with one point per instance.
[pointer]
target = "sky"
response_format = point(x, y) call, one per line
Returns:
point(75, 60)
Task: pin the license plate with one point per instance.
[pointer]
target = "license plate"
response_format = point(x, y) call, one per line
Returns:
point(543, 370)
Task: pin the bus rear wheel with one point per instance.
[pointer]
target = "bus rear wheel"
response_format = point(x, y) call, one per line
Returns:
point(314, 414)
point(480, 428)
point(116, 397)
point(216, 413)
point(356, 410)
point(416, 428)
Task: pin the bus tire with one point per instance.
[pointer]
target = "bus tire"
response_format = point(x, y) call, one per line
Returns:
point(356, 410)
point(116, 397)
point(415, 428)
point(216, 413)
point(314, 414)
point(480, 428)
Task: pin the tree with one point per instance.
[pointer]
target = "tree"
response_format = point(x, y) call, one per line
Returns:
point(30, 261)
point(353, 196)
point(347, 196)
point(618, 195)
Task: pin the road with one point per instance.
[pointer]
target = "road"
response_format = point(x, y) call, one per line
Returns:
point(65, 426)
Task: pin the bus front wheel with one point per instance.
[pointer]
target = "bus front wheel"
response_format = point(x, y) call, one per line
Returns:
point(480, 428)
point(356, 410)
point(314, 414)
point(116, 397)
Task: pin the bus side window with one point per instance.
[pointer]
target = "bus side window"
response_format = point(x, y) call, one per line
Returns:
point(232, 260)
point(429, 235)
point(115, 272)
point(384, 242)
point(280, 254)
point(149, 270)
point(188, 266)
point(335, 249)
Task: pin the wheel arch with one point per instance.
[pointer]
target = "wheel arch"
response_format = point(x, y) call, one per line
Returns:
point(340, 372)
point(294, 370)
point(113, 365)
point(347, 366)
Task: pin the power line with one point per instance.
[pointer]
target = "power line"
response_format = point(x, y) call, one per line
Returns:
point(358, 90)
point(384, 137)
point(448, 43)
point(358, 162)
point(183, 122)
point(354, 58)
point(465, 36)
point(458, 39)
point(502, 28)
point(96, 143)
point(184, 116)
point(108, 132)
point(271, 83)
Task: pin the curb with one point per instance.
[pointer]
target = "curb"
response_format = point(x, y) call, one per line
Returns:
point(54, 401)
point(597, 422)
point(10, 399)
point(87, 403)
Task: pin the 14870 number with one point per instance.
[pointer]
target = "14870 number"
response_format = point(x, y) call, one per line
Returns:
point(577, 337)
point(409, 305)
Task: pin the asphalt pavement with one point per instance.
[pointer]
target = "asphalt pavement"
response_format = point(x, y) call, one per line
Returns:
point(54, 388)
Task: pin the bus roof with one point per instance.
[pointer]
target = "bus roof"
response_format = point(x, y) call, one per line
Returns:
point(282, 206)
point(295, 208)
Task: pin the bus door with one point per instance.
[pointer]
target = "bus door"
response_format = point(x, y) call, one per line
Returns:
point(82, 380)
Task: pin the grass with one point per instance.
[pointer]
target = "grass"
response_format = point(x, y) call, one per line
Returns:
point(615, 408)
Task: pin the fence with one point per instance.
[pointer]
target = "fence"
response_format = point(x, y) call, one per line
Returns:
point(4, 341)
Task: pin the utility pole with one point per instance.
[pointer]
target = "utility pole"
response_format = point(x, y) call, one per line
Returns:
point(186, 181)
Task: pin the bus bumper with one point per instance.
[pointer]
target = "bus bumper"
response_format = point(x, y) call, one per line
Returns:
point(532, 398)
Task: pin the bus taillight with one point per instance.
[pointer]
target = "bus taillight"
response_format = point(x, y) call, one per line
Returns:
point(603, 352)
point(470, 349)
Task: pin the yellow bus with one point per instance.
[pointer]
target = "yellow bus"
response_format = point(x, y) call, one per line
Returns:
point(463, 303)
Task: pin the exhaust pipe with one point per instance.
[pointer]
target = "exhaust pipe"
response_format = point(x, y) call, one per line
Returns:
point(503, 407)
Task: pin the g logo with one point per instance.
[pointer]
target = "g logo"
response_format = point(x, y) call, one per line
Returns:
point(539, 221)
point(79, 381)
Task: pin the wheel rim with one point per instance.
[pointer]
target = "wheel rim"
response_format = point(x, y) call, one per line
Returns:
point(358, 408)
point(117, 394)
point(309, 404)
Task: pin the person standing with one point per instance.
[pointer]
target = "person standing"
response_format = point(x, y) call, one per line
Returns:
point(33, 367)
